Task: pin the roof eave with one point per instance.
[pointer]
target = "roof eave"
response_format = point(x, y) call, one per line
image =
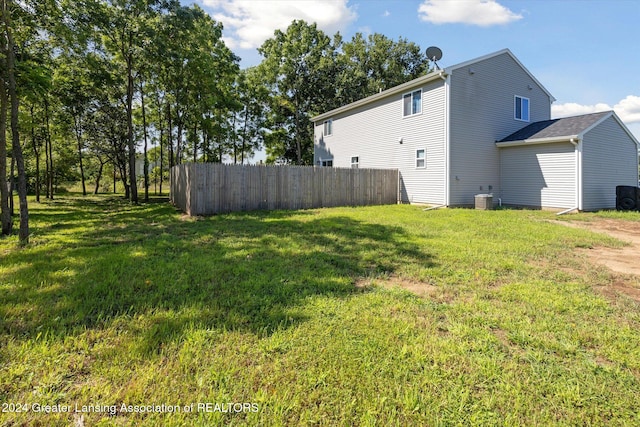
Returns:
point(439, 74)
point(536, 141)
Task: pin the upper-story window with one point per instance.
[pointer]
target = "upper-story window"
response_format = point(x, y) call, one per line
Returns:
point(412, 103)
point(328, 127)
point(521, 108)
point(355, 162)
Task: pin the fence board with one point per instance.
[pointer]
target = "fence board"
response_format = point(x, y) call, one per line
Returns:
point(210, 188)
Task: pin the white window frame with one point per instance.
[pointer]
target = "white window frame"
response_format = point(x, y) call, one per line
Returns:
point(324, 161)
point(327, 127)
point(412, 112)
point(423, 158)
point(355, 164)
point(522, 109)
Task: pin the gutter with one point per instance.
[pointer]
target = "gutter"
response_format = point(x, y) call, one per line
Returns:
point(577, 143)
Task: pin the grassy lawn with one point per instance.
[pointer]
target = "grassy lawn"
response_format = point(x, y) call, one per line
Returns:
point(296, 315)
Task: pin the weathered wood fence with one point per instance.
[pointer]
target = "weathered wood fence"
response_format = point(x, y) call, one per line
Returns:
point(210, 188)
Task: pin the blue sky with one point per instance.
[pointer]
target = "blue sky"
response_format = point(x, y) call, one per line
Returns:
point(585, 52)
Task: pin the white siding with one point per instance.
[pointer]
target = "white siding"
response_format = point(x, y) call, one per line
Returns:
point(481, 113)
point(372, 133)
point(541, 175)
point(609, 158)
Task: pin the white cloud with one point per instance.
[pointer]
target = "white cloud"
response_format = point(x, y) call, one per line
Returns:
point(483, 13)
point(627, 109)
point(248, 23)
point(386, 13)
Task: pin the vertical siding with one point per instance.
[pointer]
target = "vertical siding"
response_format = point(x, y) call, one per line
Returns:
point(372, 132)
point(609, 158)
point(209, 188)
point(541, 175)
point(481, 112)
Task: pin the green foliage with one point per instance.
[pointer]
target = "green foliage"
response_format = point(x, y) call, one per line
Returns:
point(301, 313)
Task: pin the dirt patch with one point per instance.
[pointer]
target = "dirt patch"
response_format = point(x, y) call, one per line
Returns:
point(622, 260)
point(419, 288)
point(625, 260)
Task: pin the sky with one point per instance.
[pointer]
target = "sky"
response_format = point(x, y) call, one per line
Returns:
point(585, 52)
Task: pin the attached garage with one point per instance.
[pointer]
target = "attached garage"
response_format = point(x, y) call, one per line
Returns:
point(569, 163)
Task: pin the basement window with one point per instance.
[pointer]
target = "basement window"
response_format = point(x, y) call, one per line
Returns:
point(521, 108)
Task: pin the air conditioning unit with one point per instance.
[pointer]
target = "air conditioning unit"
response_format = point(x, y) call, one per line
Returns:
point(627, 198)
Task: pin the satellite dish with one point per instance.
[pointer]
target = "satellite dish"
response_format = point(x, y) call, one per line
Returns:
point(434, 54)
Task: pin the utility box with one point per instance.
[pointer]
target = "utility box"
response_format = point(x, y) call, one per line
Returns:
point(484, 201)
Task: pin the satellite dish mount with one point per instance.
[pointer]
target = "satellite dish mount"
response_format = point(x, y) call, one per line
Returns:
point(434, 54)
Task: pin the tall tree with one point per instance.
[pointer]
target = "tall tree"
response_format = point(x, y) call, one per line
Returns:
point(297, 66)
point(10, 69)
point(366, 66)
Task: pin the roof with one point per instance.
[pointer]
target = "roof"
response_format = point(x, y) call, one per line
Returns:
point(567, 127)
point(563, 129)
point(438, 74)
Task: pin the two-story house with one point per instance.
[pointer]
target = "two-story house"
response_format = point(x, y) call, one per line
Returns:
point(482, 126)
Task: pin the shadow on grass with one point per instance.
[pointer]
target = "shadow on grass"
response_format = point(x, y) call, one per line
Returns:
point(162, 272)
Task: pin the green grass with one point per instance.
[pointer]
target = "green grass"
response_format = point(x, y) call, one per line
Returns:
point(113, 304)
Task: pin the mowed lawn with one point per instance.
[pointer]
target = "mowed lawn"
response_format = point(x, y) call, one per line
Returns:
point(302, 318)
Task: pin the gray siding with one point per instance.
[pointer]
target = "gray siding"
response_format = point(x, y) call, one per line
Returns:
point(541, 175)
point(482, 112)
point(609, 158)
point(372, 133)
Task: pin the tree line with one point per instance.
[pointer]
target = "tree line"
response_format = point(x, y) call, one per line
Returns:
point(94, 90)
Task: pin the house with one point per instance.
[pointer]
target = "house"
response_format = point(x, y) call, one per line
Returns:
point(482, 126)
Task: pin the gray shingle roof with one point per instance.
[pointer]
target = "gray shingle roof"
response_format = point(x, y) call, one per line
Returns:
point(557, 128)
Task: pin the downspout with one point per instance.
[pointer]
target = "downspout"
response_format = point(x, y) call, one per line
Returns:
point(577, 143)
point(447, 140)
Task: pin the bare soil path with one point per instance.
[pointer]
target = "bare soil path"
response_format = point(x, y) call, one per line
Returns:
point(622, 260)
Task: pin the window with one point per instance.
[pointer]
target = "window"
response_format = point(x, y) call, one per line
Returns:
point(521, 108)
point(412, 103)
point(327, 163)
point(328, 127)
point(355, 162)
point(421, 158)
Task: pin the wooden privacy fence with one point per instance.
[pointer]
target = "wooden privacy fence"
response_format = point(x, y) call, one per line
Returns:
point(210, 188)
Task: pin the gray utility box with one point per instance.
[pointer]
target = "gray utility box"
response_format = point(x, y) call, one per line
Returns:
point(484, 201)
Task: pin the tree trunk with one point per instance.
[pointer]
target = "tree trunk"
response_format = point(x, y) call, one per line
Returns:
point(23, 234)
point(170, 138)
point(5, 214)
point(146, 157)
point(48, 151)
point(78, 131)
point(195, 142)
point(133, 193)
point(95, 191)
point(36, 154)
point(161, 155)
point(244, 132)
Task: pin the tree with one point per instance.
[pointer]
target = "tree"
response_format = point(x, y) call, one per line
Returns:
point(9, 67)
point(367, 66)
point(125, 25)
point(297, 67)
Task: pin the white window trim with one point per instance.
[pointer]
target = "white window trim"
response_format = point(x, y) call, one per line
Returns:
point(320, 160)
point(424, 159)
point(515, 97)
point(421, 103)
point(356, 163)
point(324, 126)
